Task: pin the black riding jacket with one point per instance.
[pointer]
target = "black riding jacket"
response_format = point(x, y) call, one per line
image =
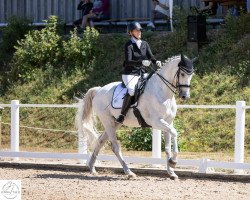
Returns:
point(134, 57)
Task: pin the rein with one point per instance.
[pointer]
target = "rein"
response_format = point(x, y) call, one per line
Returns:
point(167, 83)
point(171, 85)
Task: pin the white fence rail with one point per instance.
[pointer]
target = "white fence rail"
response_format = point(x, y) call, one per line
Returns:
point(203, 164)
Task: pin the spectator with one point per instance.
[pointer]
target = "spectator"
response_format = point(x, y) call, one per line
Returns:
point(99, 12)
point(85, 6)
point(248, 5)
point(160, 11)
point(210, 8)
point(233, 10)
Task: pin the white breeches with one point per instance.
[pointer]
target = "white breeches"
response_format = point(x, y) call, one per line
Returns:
point(130, 81)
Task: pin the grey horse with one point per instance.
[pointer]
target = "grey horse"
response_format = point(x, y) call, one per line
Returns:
point(157, 106)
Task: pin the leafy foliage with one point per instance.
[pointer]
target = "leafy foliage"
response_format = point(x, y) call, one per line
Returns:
point(46, 50)
point(221, 78)
point(229, 49)
point(37, 50)
point(139, 139)
point(14, 31)
point(211, 130)
point(78, 51)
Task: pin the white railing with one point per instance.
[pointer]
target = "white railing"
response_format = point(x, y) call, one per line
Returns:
point(238, 165)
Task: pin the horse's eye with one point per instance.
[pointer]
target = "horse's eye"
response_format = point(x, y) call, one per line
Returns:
point(182, 74)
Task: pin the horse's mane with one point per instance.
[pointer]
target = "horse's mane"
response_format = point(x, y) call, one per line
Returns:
point(170, 60)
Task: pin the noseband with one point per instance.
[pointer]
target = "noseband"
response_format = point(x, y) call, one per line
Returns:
point(173, 87)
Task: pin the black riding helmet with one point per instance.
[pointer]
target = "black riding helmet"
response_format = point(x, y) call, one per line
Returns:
point(134, 25)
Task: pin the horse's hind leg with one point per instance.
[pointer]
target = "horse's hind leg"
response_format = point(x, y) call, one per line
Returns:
point(101, 141)
point(117, 151)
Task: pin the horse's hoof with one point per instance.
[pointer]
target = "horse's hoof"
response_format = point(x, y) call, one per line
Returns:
point(131, 175)
point(172, 163)
point(174, 177)
point(93, 172)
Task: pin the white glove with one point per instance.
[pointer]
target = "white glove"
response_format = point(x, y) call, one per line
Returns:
point(146, 63)
point(158, 63)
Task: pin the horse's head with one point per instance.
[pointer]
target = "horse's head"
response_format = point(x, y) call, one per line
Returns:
point(176, 73)
point(184, 76)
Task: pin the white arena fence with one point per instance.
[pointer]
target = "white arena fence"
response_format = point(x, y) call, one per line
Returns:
point(203, 164)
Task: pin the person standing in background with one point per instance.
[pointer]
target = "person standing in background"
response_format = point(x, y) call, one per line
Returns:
point(160, 11)
point(99, 12)
point(210, 7)
point(85, 6)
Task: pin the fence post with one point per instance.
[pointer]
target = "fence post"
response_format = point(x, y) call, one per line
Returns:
point(239, 134)
point(82, 144)
point(15, 126)
point(203, 165)
point(1, 112)
point(156, 144)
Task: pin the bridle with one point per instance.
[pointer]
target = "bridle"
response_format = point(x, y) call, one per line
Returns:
point(176, 87)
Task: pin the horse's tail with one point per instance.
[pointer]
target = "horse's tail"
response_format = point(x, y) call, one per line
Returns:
point(84, 119)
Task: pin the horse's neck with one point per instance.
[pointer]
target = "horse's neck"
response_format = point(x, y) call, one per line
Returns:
point(168, 72)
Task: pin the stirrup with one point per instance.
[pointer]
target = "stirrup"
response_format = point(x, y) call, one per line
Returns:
point(120, 119)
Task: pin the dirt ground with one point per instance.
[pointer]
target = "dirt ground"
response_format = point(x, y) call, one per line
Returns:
point(65, 183)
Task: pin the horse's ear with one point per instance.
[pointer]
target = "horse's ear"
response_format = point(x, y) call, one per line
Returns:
point(182, 57)
point(194, 59)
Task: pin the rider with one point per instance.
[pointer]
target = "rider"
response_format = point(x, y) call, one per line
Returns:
point(137, 54)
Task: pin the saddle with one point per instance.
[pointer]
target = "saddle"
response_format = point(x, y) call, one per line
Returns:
point(121, 90)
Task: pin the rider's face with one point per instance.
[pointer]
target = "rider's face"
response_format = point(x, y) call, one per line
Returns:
point(136, 33)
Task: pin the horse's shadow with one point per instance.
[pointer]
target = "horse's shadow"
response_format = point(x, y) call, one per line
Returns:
point(119, 177)
point(79, 177)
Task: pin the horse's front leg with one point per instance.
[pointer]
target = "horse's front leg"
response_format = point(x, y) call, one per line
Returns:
point(169, 130)
point(170, 162)
point(173, 160)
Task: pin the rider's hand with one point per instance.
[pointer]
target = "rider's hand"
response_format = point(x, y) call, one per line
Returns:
point(146, 63)
point(158, 63)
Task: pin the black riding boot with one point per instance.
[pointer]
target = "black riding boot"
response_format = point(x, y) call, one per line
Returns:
point(125, 108)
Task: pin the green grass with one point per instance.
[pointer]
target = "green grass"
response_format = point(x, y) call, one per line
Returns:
point(201, 129)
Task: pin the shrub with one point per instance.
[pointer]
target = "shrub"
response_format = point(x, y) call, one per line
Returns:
point(237, 27)
point(79, 51)
point(16, 29)
point(176, 41)
point(39, 47)
point(242, 71)
point(227, 48)
point(140, 139)
point(44, 48)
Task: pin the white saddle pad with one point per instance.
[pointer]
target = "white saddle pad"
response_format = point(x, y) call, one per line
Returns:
point(118, 95)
